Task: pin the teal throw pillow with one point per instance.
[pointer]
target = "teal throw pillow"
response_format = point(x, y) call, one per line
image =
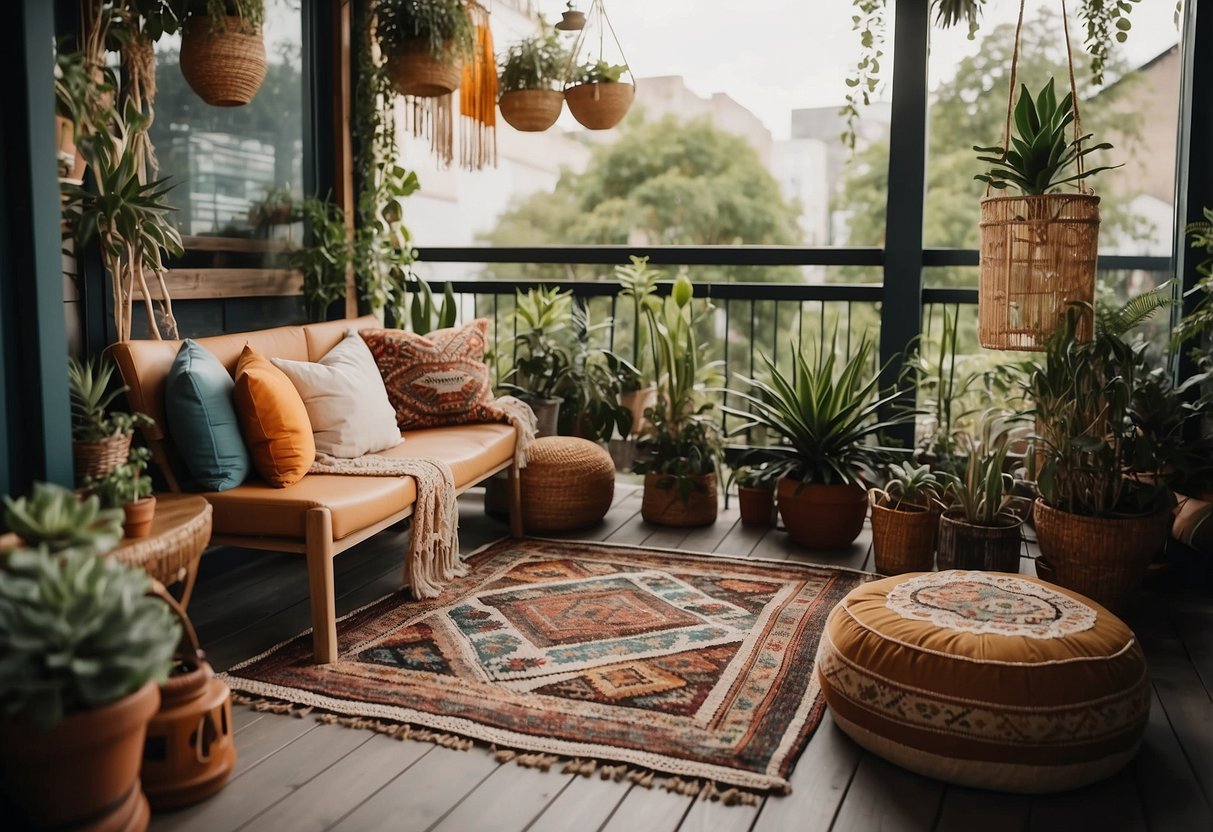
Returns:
point(202, 419)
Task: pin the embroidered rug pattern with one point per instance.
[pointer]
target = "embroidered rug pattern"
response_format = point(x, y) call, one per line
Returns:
point(692, 665)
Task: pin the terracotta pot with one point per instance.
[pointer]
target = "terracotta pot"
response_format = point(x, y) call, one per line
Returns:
point(139, 516)
point(71, 162)
point(416, 72)
point(189, 751)
point(663, 504)
point(84, 772)
point(903, 538)
point(757, 505)
point(637, 402)
point(964, 545)
point(531, 111)
point(821, 516)
point(224, 66)
point(1104, 558)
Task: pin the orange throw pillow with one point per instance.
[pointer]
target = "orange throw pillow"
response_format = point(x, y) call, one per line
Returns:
point(436, 379)
point(273, 420)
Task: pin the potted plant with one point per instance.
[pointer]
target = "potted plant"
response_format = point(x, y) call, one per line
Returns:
point(83, 98)
point(980, 528)
point(530, 81)
point(425, 43)
point(324, 260)
point(905, 519)
point(129, 487)
point(596, 95)
point(830, 421)
point(1109, 439)
point(679, 451)
point(543, 352)
point(756, 493)
point(223, 51)
point(84, 648)
point(100, 440)
point(54, 518)
point(638, 290)
point(1038, 250)
point(277, 207)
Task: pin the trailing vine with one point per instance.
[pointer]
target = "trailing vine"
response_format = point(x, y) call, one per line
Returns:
point(1105, 20)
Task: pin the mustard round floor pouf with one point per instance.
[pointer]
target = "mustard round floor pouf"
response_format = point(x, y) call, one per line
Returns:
point(985, 679)
point(568, 483)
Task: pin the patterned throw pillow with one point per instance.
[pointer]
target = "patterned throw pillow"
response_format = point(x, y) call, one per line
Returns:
point(436, 379)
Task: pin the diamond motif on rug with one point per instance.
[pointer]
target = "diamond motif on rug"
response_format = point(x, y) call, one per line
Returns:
point(694, 665)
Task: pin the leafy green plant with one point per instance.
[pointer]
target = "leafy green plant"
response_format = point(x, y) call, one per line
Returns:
point(54, 517)
point(425, 314)
point(543, 342)
point(534, 63)
point(830, 417)
point(760, 475)
point(445, 26)
point(91, 396)
point(277, 207)
point(593, 386)
point(250, 12)
point(126, 483)
point(77, 631)
point(638, 282)
point(983, 493)
point(83, 92)
point(1198, 323)
point(599, 72)
point(912, 484)
point(1042, 152)
point(325, 258)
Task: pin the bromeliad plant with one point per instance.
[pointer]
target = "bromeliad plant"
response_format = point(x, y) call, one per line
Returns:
point(1043, 150)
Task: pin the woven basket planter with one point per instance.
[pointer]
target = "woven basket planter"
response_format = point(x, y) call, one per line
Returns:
point(665, 506)
point(97, 457)
point(568, 483)
point(903, 539)
point(225, 67)
point(827, 517)
point(963, 545)
point(600, 106)
point(1038, 255)
point(531, 111)
point(1104, 558)
point(416, 72)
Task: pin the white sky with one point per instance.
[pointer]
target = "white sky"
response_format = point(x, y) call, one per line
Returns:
point(774, 56)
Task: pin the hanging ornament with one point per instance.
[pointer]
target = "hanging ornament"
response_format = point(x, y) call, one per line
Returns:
point(571, 20)
point(595, 91)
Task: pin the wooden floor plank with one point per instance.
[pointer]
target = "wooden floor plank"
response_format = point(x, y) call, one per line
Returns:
point(322, 801)
point(507, 800)
point(741, 540)
point(707, 538)
point(1170, 793)
point(819, 782)
point(269, 782)
point(620, 514)
point(243, 717)
point(585, 804)
point(1188, 709)
point(634, 532)
point(885, 797)
point(965, 810)
point(423, 793)
point(265, 737)
point(1195, 626)
point(1109, 806)
point(667, 537)
point(714, 816)
point(651, 810)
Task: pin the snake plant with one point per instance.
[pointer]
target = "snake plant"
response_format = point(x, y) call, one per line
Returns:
point(1041, 156)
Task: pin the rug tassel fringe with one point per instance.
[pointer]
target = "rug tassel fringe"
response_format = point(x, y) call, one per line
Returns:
point(645, 778)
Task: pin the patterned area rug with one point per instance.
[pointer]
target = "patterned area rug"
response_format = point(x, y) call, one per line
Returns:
point(696, 666)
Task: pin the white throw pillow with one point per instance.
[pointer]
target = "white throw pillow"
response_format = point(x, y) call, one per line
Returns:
point(345, 399)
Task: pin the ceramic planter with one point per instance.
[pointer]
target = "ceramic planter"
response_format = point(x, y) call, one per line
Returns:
point(903, 538)
point(139, 516)
point(757, 505)
point(662, 502)
point(963, 545)
point(819, 516)
point(84, 772)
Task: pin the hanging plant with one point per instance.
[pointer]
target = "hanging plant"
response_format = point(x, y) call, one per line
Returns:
point(223, 51)
point(595, 91)
point(1105, 21)
point(530, 81)
point(425, 43)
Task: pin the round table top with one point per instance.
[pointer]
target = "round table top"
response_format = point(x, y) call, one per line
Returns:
point(180, 531)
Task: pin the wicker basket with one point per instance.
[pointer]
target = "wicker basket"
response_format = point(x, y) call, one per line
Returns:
point(224, 67)
point(1038, 255)
point(416, 72)
point(665, 506)
point(963, 545)
point(1104, 558)
point(902, 541)
point(568, 483)
point(600, 106)
point(531, 111)
point(97, 457)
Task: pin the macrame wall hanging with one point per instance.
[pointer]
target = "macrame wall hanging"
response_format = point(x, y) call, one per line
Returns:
point(433, 117)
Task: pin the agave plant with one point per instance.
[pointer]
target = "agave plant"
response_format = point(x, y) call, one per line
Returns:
point(914, 484)
point(91, 396)
point(829, 417)
point(52, 516)
point(1041, 156)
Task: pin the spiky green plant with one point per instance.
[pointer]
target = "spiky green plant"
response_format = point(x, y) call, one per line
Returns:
point(1042, 152)
point(916, 485)
point(983, 492)
point(425, 314)
point(77, 631)
point(54, 517)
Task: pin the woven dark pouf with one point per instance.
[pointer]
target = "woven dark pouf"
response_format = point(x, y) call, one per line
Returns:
point(568, 483)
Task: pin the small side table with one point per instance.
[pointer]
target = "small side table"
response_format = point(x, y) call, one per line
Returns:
point(180, 531)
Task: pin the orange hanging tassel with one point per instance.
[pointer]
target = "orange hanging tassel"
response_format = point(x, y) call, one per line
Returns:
point(478, 98)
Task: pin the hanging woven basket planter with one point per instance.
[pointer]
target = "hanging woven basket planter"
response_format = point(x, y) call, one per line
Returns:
point(1038, 256)
point(415, 71)
point(224, 65)
point(600, 106)
point(531, 111)
point(596, 94)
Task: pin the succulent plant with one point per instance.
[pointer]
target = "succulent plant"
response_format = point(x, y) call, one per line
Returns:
point(77, 631)
point(55, 517)
point(913, 484)
point(88, 388)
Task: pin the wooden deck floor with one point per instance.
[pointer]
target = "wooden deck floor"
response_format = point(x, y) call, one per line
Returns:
point(294, 774)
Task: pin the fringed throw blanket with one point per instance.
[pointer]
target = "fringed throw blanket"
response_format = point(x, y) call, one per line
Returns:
point(519, 414)
point(433, 556)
